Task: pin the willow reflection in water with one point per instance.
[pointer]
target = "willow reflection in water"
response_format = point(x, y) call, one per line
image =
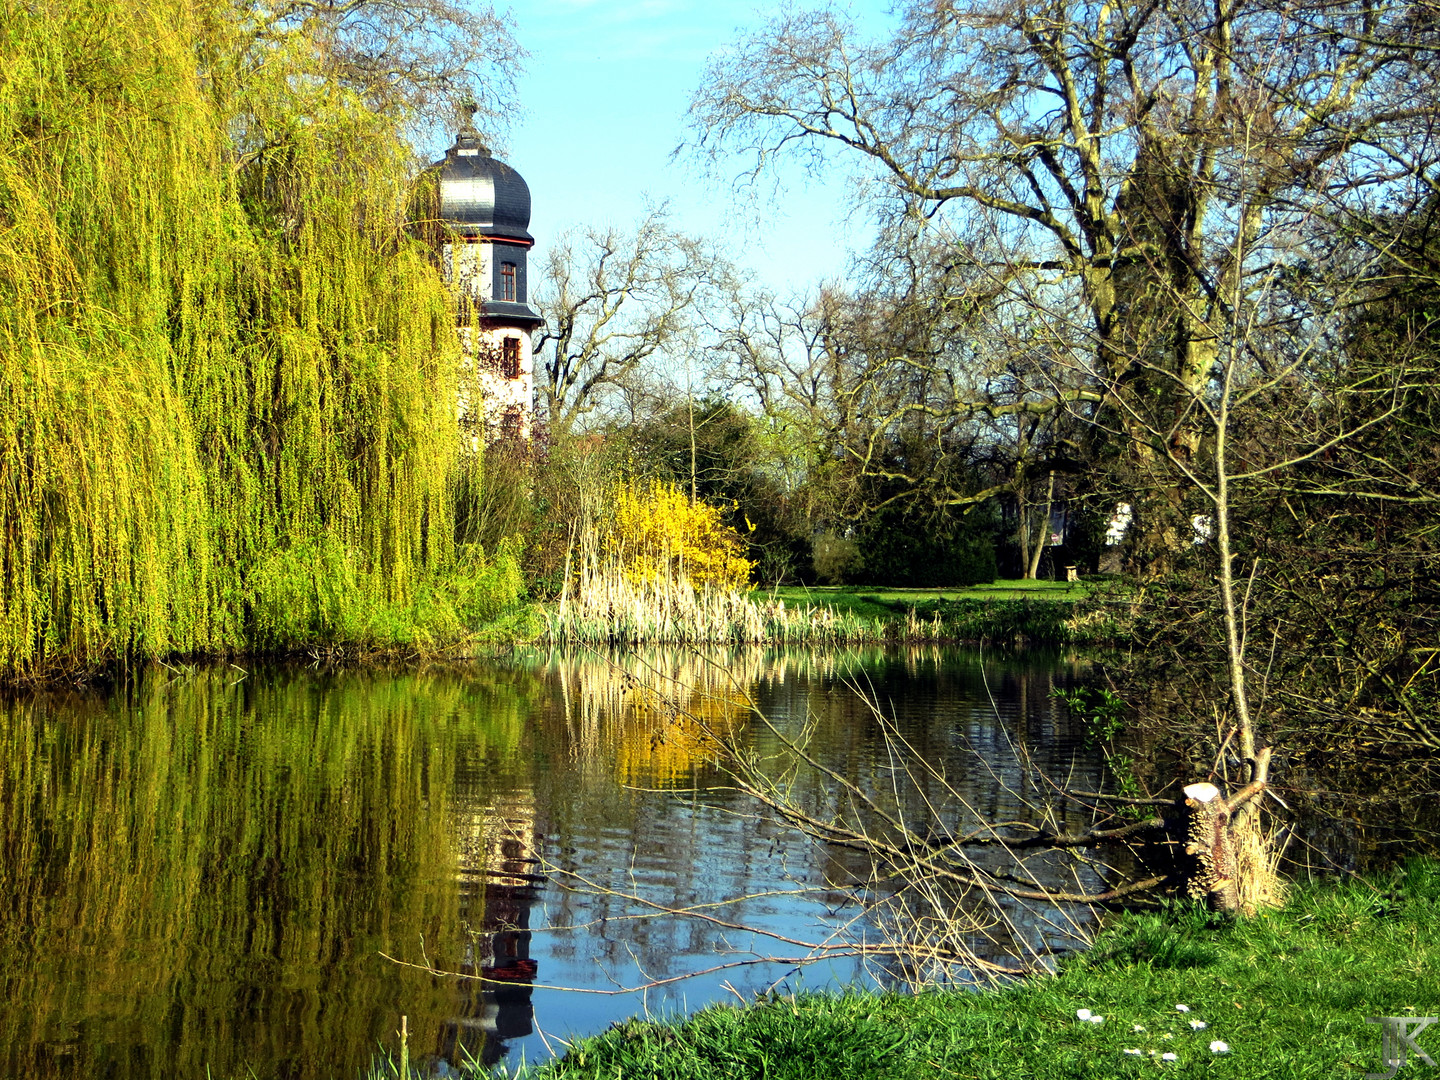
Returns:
point(202, 873)
point(199, 875)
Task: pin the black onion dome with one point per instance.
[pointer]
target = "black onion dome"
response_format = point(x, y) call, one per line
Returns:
point(480, 196)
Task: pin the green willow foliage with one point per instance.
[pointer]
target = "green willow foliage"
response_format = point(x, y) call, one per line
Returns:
point(222, 355)
point(221, 860)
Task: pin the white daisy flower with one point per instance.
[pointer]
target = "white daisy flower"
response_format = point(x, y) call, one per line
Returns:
point(1097, 1019)
point(1138, 1027)
point(1182, 1008)
point(1198, 1025)
point(1083, 1014)
point(1135, 1052)
point(1168, 1056)
point(1218, 1047)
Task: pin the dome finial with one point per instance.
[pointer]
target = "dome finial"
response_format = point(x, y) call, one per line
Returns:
point(465, 111)
point(467, 136)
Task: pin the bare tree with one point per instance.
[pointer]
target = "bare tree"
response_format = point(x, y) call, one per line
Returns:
point(1132, 194)
point(900, 392)
point(619, 307)
point(1126, 173)
point(427, 64)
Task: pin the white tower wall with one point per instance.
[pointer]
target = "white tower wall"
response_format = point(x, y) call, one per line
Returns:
point(497, 394)
point(485, 208)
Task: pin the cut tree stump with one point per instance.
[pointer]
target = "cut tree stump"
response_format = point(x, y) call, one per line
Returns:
point(1210, 842)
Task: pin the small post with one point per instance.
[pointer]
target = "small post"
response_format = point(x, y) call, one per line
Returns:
point(404, 1048)
point(1072, 573)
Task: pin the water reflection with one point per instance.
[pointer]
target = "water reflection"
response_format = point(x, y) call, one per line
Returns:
point(500, 879)
point(202, 872)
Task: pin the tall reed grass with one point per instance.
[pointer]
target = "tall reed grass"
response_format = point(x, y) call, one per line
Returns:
point(605, 604)
point(222, 362)
point(642, 570)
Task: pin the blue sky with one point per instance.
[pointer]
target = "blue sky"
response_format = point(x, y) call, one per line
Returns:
point(603, 103)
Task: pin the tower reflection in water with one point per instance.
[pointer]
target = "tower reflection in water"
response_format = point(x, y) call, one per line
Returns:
point(499, 883)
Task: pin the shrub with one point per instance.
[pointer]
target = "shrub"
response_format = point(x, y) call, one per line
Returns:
point(655, 530)
point(914, 553)
point(837, 559)
point(308, 593)
point(485, 589)
point(313, 594)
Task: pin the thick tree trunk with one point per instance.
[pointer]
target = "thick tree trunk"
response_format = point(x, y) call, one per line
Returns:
point(1022, 535)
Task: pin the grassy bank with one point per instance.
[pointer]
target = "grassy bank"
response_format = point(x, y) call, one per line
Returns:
point(999, 612)
point(1286, 993)
point(880, 602)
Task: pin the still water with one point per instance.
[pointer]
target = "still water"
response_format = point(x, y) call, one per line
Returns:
point(204, 873)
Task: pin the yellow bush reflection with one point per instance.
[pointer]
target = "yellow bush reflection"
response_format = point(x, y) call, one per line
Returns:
point(654, 718)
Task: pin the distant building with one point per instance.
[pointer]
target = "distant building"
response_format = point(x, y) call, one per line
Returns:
point(485, 208)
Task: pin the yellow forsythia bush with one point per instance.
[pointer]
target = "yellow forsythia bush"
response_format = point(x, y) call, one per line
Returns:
point(656, 530)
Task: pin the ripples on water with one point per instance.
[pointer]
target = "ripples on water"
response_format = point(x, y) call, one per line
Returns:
point(200, 873)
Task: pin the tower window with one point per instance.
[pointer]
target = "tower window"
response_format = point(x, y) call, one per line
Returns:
point(510, 358)
point(507, 281)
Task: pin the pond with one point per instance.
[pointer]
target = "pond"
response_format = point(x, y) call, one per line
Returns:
point(204, 872)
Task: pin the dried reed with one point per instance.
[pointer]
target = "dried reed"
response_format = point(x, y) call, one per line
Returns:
point(603, 605)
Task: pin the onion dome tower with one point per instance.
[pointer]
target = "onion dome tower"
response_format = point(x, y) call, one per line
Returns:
point(485, 209)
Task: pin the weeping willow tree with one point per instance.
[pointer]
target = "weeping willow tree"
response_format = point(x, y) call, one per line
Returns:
point(227, 377)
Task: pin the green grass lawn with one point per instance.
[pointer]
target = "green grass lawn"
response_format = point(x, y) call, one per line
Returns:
point(872, 601)
point(1286, 993)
